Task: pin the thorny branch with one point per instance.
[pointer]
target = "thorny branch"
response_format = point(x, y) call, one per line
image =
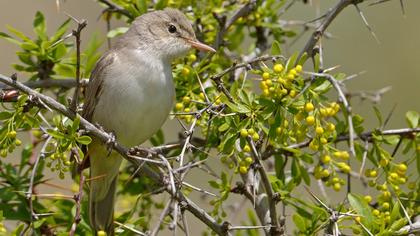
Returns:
point(123, 151)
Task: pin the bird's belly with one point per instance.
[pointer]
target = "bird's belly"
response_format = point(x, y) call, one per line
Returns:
point(134, 113)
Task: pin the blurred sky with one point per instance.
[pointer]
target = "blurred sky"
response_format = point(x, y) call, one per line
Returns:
point(395, 61)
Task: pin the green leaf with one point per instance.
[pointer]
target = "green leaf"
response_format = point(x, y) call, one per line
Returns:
point(378, 115)
point(60, 31)
point(29, 46)
point(299, 222)
point(395, 214)
point(161, 4)
point(18, 33)
point(4, 115)
point(362, 208)
point(214, 184)
point(412, 118)
point(142, 6)
point(275, 48)
point(55, 134)
point(224, 127)
point(303, 58)
point(116, 32)
point(39, 24)
point(85, 140)
point(9, 38)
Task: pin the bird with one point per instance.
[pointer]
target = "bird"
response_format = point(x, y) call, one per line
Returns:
point(130, 93)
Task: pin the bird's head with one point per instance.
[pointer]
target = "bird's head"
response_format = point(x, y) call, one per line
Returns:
point(168, 32)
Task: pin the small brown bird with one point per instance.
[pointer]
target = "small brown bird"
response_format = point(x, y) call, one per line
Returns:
point(131, 93)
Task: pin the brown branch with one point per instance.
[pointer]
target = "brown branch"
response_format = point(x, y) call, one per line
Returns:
point(76, 33)
point(224, 24)
point(272, 201)
point(111, 7)
point(329, 17)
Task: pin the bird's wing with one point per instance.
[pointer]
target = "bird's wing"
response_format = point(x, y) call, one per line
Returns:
point(93, 93)
point(94, 88)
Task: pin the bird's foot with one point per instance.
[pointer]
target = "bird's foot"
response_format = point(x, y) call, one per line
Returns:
point(110, 143)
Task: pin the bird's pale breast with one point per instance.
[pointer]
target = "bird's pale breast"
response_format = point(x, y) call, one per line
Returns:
point(136, 99)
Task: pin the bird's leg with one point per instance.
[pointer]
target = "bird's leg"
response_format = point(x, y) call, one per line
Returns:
point(110, 142)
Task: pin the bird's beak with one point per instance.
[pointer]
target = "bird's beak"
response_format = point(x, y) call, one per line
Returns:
point(199, 45)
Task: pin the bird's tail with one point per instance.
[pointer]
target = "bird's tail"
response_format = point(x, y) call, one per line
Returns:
point(104, 168)
point(101, 212)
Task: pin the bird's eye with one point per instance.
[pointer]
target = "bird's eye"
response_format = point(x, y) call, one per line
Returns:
point(172, 29)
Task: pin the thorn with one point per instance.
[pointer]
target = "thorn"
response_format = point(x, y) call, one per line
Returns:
point(366, 23)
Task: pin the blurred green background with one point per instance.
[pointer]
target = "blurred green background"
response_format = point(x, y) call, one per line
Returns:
point(395, 61)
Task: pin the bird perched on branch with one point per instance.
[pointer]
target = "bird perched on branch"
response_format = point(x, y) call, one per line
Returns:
point(130, 94)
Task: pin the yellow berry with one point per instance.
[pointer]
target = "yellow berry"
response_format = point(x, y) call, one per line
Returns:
point(243, 169)
point(402, 180)
point(266, 92)
point(265, 75)
point(376, 212)
point(337, 186)
point(202, 96)
point(3, 153)
point(325, 173)
point(179, 106)
point(330, 111)
point(18, 142)
point(373, 173)
point(298, 68)
point(279, 130)
point(244, 133)
point(292, 93)
point(247, 148)
point(290, 76)
point(293, 72)
point(386, 195)
point(335, 180)
point(323, 141)
point(255, 136)
point(185, 71)
point(11, 134)
point(337, 154)
point(402, 167)
point(101, 233)
point(269, 82)
point(278, 68)
point(345, 155)
point(367, 198)
point(309, 107)
point(313, 146)
point(186, 99)
point(330, 127)
point(383, 162)
point(357, 219)
point(192, 57)
point(249, 160)
point(326, 159)
point(385, 205)
point(393, 175)
point(310, 120)
point(251, 131)
point(319, 130)
point(187, 110)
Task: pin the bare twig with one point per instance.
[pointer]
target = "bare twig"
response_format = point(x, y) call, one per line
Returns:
point(81, 24)
point(275, 230)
